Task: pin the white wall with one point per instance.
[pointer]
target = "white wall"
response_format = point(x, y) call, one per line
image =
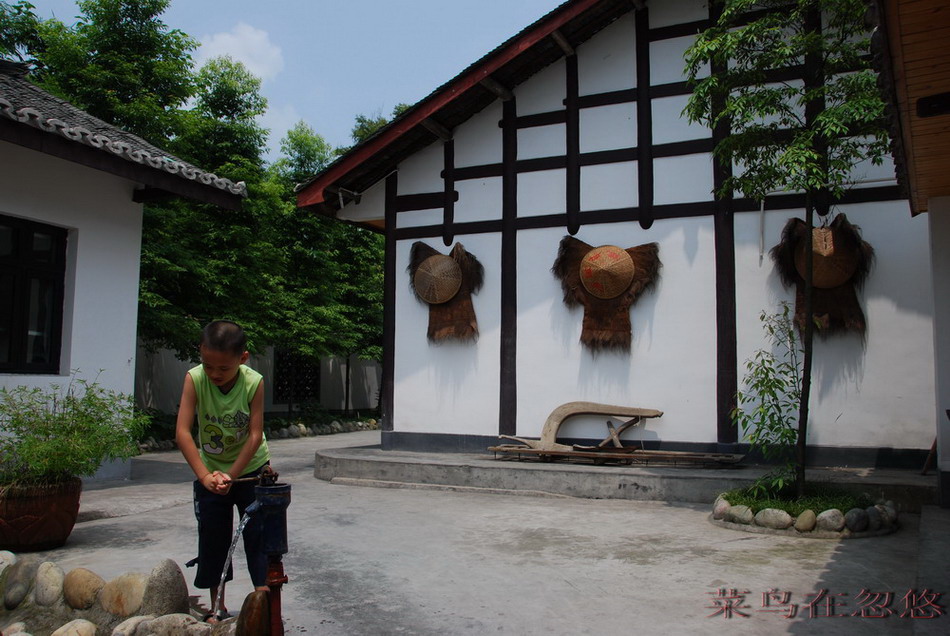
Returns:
point(101, 299)
point(876, 392)
point(449, 387)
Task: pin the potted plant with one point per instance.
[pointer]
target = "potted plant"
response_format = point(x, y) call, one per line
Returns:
point(49, 438)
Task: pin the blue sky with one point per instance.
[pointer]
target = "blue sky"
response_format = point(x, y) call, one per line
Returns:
point(326, 61)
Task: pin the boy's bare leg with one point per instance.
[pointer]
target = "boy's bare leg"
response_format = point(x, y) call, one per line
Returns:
point(214, 598)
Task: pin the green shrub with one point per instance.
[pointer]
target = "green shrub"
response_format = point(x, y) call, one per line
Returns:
point(818, 497)
point(51, 435)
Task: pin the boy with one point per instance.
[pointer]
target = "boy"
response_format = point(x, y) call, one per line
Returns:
point(228, 399)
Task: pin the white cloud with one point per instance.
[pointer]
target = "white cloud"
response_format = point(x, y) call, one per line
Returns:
point(248, 45)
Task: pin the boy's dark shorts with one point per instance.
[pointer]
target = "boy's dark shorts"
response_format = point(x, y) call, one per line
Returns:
point(216, 531)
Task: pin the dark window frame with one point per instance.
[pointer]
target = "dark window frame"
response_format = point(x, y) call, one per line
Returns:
point(24, 266)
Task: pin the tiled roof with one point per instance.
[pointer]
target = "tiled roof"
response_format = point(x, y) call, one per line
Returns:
point(22, 101)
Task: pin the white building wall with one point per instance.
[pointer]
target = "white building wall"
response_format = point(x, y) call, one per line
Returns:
point(449, 387)
point(872, 392)
point(101, 295)
point(876, 392)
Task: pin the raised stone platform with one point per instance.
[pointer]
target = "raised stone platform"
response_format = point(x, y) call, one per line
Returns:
point(374, 466)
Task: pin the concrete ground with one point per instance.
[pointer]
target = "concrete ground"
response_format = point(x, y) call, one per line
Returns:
point(367, 560)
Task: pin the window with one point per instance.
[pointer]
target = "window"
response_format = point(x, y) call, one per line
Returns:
point(32, 270)
point(296, 378)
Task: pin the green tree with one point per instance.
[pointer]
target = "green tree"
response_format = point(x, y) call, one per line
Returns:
point(305, 153)
point(119, 62)
point(19, 31)
point(791, 84)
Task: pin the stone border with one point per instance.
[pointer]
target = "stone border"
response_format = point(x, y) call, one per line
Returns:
point(858, 523)
point(792, 532)
point(38, 596)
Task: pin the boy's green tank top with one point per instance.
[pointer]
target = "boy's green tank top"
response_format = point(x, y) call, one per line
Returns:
point(224, 420)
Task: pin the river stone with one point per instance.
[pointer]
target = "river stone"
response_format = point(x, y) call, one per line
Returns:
point(740, 514)
point(874, 518)
point(720, 508)
point(282, 433)
point(255, 615)
point(293, 431)
point(48, 585)
point(806, 521)
point(165, 590)
point(81, 588)
point(169, 625)
point(6, 558)
point(122, 596)
point(830, 520)
point(856, 520)
point(773, 518)
point(129, 627)
point(19, 580)
point(888, 517)
point(78, 627)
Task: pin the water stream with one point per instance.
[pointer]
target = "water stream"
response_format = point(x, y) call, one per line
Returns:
point(219, 599)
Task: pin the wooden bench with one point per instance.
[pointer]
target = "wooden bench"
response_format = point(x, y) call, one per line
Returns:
point(549, 431)
point(611, 448)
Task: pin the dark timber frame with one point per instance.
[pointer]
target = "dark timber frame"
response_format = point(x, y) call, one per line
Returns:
point(722, 211)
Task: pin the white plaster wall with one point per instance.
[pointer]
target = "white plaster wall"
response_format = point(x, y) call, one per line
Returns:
point(874, 393)
point(449, 387)
point(543, 192)
point(666, 60)
point(104, 240)
point(610, 185)
point(372, 205)
point(541, 93)
point(478, 141)
point(670, 126)
point(608, 61)
point(683, 179)
point(608, 127)
point(668, 13)
point(939, 220)
point(672, 362)
point(541, 141)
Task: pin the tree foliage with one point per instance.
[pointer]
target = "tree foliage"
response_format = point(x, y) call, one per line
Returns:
point(791, 85)
point(291, 278)
point(119, 62)
point(764, 91)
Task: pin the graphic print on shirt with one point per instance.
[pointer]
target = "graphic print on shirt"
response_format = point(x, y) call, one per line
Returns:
point(225, 432)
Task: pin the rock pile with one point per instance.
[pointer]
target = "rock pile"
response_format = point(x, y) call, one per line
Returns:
point(872, 521)
point(40, 598)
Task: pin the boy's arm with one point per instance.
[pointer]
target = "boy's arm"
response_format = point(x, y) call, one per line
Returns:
point(186, 417)
point(255, 434)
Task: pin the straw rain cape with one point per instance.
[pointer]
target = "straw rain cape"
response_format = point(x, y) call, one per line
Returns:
point(606, 320)
point(842, 262)
point(446, 284)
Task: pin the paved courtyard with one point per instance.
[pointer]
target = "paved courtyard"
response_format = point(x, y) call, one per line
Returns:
point(409, 561)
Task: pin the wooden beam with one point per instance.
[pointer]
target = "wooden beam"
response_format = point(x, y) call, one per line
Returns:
point(436, 129)
point(562, 42)
point(499, 90)
point(639, 5)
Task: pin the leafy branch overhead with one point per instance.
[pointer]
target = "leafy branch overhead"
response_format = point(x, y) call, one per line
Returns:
point(760, 87)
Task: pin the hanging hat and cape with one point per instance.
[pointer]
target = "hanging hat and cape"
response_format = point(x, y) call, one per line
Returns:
point(841, 262)
point(446, 284)
point(605, 281)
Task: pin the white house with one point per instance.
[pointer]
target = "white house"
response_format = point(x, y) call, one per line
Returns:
point(71, 194)
point(573, 126)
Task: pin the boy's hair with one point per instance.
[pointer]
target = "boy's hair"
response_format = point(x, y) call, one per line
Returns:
point(224, 335)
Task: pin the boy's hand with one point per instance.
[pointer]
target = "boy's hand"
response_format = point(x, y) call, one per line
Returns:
point(217, 482)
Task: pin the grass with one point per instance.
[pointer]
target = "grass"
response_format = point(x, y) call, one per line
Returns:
point(818, 497)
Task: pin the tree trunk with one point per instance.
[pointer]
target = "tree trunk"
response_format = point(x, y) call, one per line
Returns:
point(807, 340)
point(346, 387)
